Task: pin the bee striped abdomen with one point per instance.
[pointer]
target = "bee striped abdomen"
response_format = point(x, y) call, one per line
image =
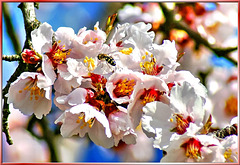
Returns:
point(227, 131)
point(107, 58)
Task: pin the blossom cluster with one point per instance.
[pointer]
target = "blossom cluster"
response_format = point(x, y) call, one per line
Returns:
point(109, 85)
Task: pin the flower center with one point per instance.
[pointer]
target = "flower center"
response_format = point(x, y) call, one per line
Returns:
point(90, 39)
point(127, 51)
point(182, 124)
point(192, 148)
point(231, 104)
point(150, 67)
point(124, 87)
point(81, 117)
point(58, 54)
point(90, 63)
point(227, 155)
point(151, 95)
point(35, 91)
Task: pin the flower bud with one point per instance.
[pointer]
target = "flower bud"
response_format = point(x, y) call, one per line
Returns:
point(30, 56)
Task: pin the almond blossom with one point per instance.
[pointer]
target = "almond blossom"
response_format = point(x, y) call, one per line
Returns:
point(230, 145)
point(161, 120)
point(31, 94)
point(152, 89)
point(114, 118)
point(84, 118)
point(190, 147)
point(121, 85)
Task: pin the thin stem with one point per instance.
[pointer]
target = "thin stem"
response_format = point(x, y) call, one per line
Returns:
point(10, 58)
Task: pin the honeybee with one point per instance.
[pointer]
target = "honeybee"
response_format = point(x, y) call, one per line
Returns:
point(107, 58)
point(227, 131)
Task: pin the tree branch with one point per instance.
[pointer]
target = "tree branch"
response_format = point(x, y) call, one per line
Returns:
point(31, 23)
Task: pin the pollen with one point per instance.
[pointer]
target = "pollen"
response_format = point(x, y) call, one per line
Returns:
point(143, 57)
point(90, 63)
point(124, 87)
point(151, 95)
point(95, 28)
point(227, 155)
point(58, 54)
point(33, 89)
point(192, 148)
point(81, 117)
point(181, 124)
point(150, 67)
point(127, 51)
point(231, 106)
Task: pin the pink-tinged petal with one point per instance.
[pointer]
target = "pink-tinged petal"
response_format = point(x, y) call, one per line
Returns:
point(77, 96)
point(41, 36)
point(185, 100)
point(70, 126)
point(121, 128)
point(65, 35)
point(156, 122)
point(65, 86)
point(76, 67)
point(98, 136)
point(48, 69)
point(87, 42)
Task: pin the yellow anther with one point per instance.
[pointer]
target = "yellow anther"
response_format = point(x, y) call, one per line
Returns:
point(143, 57)
point(34, 90)
point(227, 155)
point(96, 39)
point(59, 41)
point(91, 63)
point(124, 88)
point(171, 119)
point(127, 51)
point(146, 53)
point(95, 28)
point(90, 122)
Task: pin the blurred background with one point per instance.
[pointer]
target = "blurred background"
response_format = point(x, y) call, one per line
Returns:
point(214, 23)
